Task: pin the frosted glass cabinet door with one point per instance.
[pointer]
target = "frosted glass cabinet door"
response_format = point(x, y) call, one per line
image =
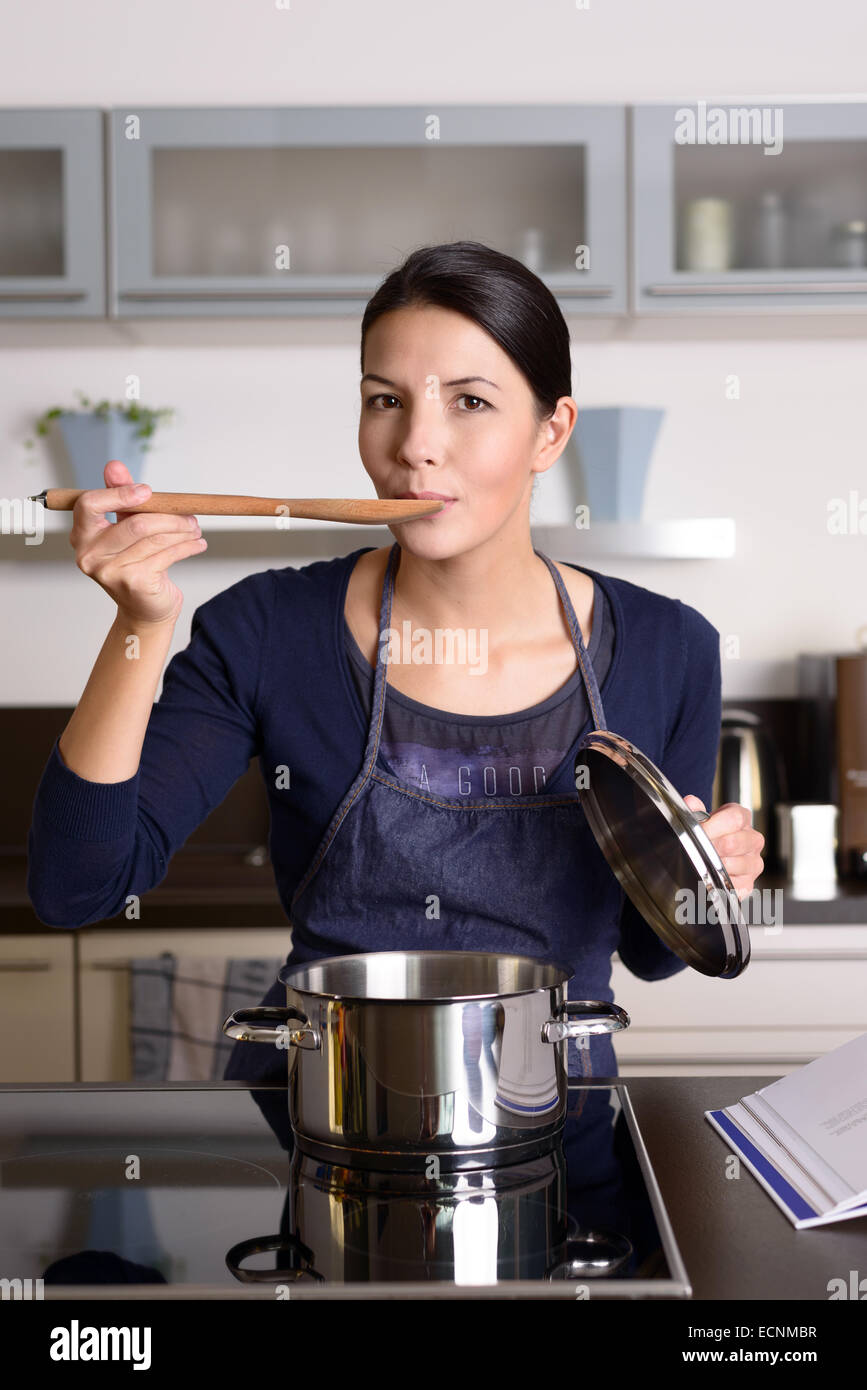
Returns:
point(749, 207)
point(52, 214)
point(304, 210)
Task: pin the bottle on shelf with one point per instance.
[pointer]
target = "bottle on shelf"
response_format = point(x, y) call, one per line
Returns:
point(850, 244)
point(771, 232)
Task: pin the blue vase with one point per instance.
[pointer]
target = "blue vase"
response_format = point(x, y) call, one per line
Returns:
point(614, 446)
point(92, 441)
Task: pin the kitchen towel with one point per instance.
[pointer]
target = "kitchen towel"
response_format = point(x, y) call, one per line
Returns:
point(177, 1008)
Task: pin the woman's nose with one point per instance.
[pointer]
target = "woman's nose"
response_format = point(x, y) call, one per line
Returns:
point(421, 440)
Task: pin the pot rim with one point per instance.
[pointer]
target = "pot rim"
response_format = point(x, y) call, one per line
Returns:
point(286, 973)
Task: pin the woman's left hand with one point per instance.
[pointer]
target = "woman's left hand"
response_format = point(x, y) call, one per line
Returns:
point(738, 845)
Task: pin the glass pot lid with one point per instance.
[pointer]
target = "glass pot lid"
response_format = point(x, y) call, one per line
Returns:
point(665, 862)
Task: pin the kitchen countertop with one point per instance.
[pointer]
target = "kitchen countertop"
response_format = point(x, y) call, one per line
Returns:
point(735, 1242)
point(209, 888)
point(848, 906)
point(203, 889)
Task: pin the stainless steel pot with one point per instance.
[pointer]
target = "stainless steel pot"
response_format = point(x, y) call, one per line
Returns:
point(426, 1059)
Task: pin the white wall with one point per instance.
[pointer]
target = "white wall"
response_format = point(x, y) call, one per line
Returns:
point(272, 406)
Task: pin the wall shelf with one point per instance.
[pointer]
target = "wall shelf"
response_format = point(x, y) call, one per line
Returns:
point(688, 538)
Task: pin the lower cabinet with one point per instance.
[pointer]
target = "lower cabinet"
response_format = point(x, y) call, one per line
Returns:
point(104, 993)
point(37, 1008)
point(803, 993)
point(65, 1002)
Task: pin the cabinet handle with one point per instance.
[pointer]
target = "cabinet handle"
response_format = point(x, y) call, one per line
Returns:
point(759, 287)
point(580, 291)
point(216, 296)
point(44, 296)
point(25, 965)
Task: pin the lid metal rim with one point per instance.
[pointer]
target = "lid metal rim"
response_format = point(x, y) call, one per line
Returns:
point(695, 842)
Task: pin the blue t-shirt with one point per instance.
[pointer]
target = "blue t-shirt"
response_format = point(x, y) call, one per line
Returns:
point(266, 675)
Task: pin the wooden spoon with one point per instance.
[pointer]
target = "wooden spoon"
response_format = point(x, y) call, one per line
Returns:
point(359, 511)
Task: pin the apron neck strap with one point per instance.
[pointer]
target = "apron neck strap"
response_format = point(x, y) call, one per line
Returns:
point(586, 666)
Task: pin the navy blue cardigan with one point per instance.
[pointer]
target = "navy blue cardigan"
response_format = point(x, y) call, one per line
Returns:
point(266, 675)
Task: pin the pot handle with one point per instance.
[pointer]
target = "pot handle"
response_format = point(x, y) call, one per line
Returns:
point(241, 1026)
point(606, 1018)
point(262, 1244)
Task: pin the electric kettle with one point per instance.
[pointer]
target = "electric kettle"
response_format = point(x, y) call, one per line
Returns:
point(749, 771)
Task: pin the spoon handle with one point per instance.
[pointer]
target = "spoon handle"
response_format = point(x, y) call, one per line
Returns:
point(357, 510)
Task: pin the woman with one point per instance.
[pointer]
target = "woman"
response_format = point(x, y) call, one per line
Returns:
point(415, 803)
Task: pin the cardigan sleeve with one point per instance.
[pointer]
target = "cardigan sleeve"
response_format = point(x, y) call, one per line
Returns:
point(689, 762)
point(93, 844)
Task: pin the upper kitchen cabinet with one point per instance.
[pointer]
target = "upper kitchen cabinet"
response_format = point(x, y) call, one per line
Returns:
point(303, 210)
point(749, 206)
point(52, 245)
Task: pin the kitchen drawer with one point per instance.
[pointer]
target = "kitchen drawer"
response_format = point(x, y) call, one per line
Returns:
point(803, 994)
point(104, 958)
point(37, 1016)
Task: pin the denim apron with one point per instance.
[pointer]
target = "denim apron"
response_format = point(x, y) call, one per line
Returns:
point(400, 869)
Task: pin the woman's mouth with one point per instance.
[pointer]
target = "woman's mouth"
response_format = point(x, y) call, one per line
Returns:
point(429, 497)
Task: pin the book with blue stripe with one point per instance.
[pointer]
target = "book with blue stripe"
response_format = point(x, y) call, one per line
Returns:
point(804, 1137)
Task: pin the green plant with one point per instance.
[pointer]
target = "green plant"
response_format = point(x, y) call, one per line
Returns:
point(146, 419)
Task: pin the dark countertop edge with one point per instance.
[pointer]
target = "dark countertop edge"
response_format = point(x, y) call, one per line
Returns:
point(848, 907)
point(752, 1083)
point(196, 915)
point(211, 890)
point(138, 1086)
point(203, 890)
point(203, 917)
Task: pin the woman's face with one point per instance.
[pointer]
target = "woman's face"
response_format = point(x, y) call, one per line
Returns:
point(444, 410)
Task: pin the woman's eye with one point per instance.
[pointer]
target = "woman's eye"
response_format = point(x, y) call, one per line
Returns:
point(479, 404)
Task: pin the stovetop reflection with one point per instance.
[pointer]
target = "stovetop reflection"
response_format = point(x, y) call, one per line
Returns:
point(205, 1186)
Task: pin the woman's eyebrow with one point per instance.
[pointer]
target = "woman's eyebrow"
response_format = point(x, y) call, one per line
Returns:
point(458, 381)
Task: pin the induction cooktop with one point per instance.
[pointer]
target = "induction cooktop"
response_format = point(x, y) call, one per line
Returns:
point(198, 1190)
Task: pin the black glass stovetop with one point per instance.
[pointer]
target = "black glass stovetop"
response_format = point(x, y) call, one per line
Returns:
point(200, 1188)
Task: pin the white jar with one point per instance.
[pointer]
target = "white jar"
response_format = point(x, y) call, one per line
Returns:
point(707, 234)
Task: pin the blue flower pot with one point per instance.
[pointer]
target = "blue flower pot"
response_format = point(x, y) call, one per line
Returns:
point(614, 446)
point(91, 441)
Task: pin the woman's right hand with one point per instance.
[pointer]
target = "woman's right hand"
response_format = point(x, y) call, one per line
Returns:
point(130, 558)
